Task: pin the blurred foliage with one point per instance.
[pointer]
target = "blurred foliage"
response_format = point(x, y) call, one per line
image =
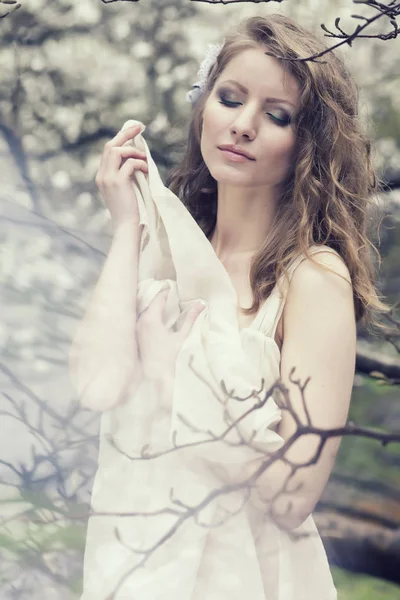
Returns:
point(352, 586)
point(363, 458)
point(386, 117)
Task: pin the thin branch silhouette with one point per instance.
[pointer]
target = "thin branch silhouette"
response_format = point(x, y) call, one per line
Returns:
point(388, 11)
point(246, 483)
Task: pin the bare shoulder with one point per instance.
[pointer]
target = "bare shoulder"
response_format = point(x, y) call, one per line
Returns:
point(314, 290)
point(326, 268)
point(320, 289)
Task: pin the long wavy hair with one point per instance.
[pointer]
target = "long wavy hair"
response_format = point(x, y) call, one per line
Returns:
point(332, 182)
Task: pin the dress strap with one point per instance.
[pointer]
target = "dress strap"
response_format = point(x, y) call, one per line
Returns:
point(274, 308)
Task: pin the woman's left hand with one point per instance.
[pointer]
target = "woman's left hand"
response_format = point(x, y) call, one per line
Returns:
point(159, 346)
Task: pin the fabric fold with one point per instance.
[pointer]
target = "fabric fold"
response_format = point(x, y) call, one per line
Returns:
point(176, 255)
point(229, 547)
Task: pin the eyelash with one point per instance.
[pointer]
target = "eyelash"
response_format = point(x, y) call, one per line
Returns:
point(280, 122)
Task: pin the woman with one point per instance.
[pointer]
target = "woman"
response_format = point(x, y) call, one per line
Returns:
point(293, 210)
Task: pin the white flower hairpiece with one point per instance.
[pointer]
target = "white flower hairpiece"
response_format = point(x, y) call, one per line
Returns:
point(209, 60)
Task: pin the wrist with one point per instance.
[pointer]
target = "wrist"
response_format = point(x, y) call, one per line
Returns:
point(164, 386)
point(129, 226)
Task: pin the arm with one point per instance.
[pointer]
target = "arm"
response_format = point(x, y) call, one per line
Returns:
point(320, 341)
point(103, 359)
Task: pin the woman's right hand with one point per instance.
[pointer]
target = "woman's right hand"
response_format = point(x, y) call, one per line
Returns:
point(114, 177)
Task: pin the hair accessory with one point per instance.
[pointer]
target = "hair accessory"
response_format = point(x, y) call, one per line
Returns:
point(209, 60)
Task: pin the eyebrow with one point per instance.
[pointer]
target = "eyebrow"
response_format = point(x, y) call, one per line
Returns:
point(245, 91)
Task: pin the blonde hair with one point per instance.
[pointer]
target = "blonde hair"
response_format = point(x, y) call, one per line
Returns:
point(329, 189)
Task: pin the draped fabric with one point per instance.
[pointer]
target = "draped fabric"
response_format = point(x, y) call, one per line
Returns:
point(226, 549)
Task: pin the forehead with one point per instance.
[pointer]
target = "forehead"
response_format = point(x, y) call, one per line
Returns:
point(261, 74)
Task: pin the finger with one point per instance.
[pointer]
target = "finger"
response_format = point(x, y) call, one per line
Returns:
point(123, 136)
point(130, 166)
point(111, 157)
point(112, 161)
point(128, 153)
point(132, 151)
point(190, 318)
point(155, 309)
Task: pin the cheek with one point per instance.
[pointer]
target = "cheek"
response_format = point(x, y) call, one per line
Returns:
point(205, 129)
point(209, 133)
point(215, 120)
point(283, 148)
point(209, 124)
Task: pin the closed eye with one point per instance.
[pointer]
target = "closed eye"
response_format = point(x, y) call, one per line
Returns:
point(280, 122)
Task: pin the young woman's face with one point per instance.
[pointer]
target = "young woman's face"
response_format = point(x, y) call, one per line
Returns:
point(258, 120)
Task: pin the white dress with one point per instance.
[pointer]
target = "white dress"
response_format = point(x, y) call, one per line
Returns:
point(199, 543)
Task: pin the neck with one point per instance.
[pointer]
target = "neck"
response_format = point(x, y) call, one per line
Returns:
point(242, 225)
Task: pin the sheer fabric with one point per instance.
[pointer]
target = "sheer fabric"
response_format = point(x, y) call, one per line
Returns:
point(195, 557)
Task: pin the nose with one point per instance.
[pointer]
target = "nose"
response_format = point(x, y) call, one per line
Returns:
point(244, 124)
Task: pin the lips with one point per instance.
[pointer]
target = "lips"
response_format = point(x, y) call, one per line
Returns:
point(237, 151)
